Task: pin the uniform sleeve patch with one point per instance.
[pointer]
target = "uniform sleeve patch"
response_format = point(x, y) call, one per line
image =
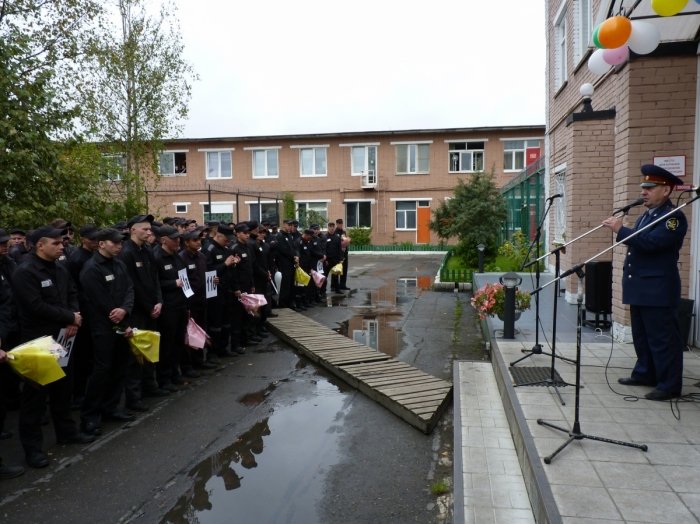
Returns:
point(672, 224)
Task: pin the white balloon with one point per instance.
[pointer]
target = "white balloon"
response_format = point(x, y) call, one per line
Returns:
point(597, 64)
point(644, 39)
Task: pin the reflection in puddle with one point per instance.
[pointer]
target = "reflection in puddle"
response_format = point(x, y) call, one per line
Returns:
point(377, 323)
point(257, 397)
point(274, 472)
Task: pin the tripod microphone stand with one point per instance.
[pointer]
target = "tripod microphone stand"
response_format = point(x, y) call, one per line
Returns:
point(575, 432)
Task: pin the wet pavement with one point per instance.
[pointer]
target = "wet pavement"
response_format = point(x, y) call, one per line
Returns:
point(269, 437)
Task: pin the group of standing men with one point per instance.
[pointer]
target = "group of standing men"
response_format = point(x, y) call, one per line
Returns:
point(130, 276)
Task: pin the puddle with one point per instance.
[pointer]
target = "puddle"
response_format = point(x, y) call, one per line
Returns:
point(257, 397)
point(377, 322)
point(274, 472)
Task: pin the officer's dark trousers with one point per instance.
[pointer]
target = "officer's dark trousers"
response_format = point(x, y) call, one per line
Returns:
point(198, 311)
point(33, 407)
point(140, 376)
point(81, 360)
point(104, 386)
point(172, 324)
point(286, 296)
point(659, 348)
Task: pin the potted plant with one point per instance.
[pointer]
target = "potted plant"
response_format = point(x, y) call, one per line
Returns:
point(490, 300)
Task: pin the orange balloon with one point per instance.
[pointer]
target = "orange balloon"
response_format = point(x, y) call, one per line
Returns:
point(614, 32)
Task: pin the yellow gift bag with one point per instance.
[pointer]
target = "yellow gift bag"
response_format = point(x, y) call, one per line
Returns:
point(301, 277)
point(337, 269)
point(37, 360)
point(145, 344)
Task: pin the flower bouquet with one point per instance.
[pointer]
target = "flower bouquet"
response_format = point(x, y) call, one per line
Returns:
point(490, 300)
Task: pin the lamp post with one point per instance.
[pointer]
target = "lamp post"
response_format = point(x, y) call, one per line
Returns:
point(510, 282)
point(480, 248)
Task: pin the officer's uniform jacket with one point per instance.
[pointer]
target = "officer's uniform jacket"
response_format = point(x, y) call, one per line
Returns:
point(106, 285)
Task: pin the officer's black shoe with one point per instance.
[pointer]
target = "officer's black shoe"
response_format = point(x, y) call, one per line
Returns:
point(191, 373)
point(10, 472)
point(170, 387)
point(78, 438)
point(345, 288)
point(209, 365)
point(137, 406)
point(91, 428)
point(225, 353)
point(37, 459)
point(118, 417)
point(657, 394)
point(4, 435)
point(629, 381)
point(240, 350)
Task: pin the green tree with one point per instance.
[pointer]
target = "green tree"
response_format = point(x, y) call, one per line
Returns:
point(474, 216)
point(138, 94)
point(289, 206)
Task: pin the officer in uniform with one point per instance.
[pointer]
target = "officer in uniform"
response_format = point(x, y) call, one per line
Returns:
point(286, 259)
point(651, 286)
point(242, 325)
point(47, 302)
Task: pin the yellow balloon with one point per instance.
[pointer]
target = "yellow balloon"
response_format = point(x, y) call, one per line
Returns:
point(668, 7)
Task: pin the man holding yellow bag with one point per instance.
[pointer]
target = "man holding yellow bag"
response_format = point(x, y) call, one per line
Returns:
point(47, 302)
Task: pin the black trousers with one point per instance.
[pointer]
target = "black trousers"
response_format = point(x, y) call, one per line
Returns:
point(172, 324)
point(81, 360)
point(219, 322)
point(287, 287)
point(344, 276)
point(104, 386)
point(140, 376)
point(32, 409)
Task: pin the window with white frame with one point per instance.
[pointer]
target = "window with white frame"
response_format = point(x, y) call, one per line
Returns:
point(313, 161)
point(219, 164)
point(582, 34)
point(265, 163)
point(312, 212)
point(181, 207)
point(466, 157)
point(514, 153)
point(358, 214)
point(363, 160)
point(173, 163)
point(114, 167)
point(412, 159)
point(560, 42)
point(406, 215)
point(219, 211)
point(264, 212)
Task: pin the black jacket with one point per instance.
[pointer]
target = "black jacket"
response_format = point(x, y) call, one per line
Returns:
point(141, 267)
point(168, 268)
point(106, 285)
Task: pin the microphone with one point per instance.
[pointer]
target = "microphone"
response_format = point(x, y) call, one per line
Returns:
point(558, 195)
point(625, 209)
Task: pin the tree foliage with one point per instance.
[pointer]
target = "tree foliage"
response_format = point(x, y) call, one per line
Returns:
point(138, 93)
point(474, 216)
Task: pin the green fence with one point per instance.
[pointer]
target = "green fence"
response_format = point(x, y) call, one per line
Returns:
point(453, 275)
point(400, 247)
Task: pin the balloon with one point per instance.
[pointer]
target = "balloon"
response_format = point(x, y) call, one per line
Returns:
point(668, 7)
point(614, 32)
point(644, 39)
point(596, 40)
point(597, 64)
point(616, 56)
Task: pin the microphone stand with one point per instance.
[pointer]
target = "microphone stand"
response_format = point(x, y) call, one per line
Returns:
point(575, 432)
point(537, 348)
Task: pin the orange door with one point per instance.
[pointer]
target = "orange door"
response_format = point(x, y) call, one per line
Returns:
point(423, 233)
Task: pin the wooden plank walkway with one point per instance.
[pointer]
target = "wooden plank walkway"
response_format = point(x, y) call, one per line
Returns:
point(415, 396)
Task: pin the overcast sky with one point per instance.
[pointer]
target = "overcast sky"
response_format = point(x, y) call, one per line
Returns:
point(282, 67)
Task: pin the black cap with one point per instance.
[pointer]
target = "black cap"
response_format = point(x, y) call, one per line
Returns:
point(109, 233)
point(167, 231)
point(252, 224)
point(155, 223)
point(226, 231)
point(138, 219)
point(120, 225)
point(309, 232)
point(295, 223)
point(242, 228)
point(314, 227)
point(18, 231)
point(192, 235)
point(658, 176)
point(289, 222)
point(46, 232)
point(212, 223)
point(4, 237)
point(88, 231)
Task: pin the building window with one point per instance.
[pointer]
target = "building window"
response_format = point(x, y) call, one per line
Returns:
point(466, 157)
point(406, 215)
point(412, 159)
point(181, 207)
point(173, 163)
point(114, 167)
point(264, 212)
point(560, 71)
point(363, 159)
point(582, 35)
point(358, 214)
point(265, 163)
point(312, 161)
point(312, 213)
point(514, 153)
point(219, 164)
point(220, 212)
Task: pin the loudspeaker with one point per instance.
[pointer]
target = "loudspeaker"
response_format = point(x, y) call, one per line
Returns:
point(599, 287)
